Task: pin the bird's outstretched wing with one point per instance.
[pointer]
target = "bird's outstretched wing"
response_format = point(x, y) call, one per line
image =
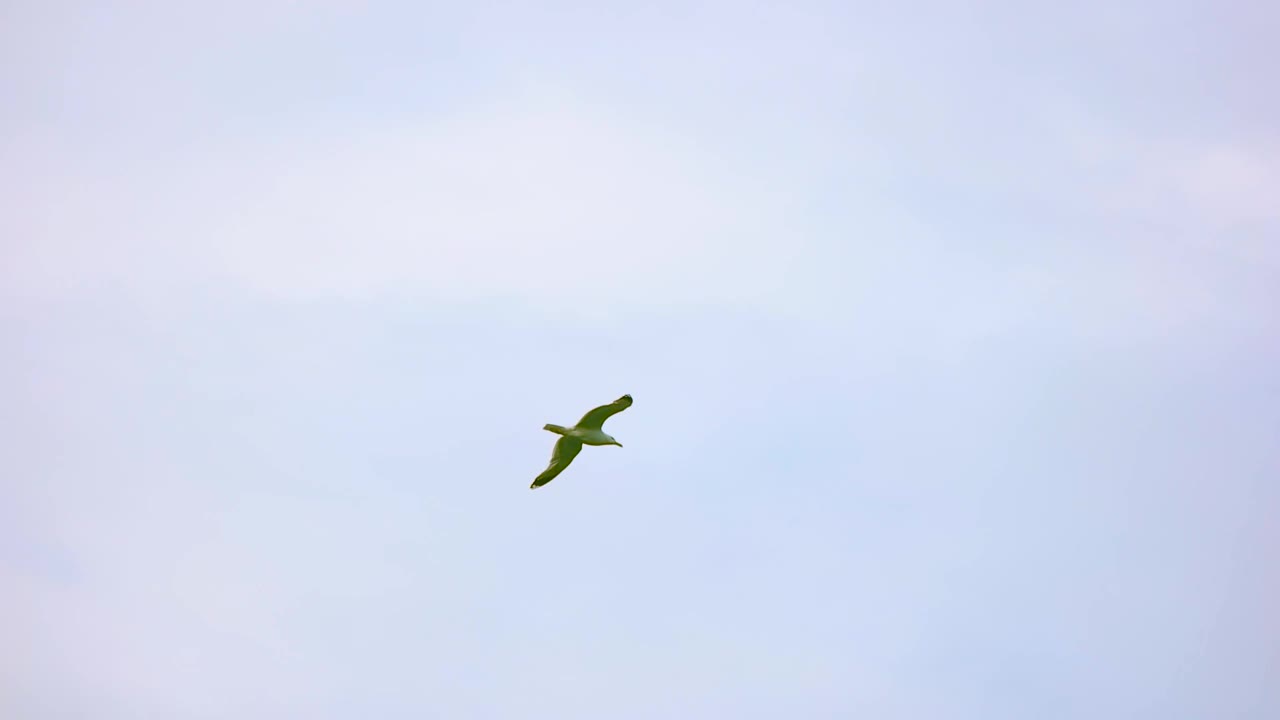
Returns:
point(566, 450)
point(596, 417)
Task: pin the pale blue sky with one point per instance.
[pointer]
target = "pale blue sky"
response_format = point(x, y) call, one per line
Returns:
point(952, 332)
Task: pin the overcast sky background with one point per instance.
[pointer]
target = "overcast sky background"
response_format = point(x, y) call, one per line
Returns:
point(952, 330)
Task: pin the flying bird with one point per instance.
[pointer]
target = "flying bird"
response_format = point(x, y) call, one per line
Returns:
point(587, 432)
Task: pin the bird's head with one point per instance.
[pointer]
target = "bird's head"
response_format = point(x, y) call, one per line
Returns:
point(612, 441)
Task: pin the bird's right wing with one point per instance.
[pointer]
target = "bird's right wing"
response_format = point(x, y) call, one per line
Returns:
point(565, 451)
point(595, 417)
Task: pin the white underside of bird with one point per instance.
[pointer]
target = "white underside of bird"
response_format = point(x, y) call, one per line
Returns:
point(588, 436)
point(588, 431)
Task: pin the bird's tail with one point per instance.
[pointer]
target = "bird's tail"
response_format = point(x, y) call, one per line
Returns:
point(556, 429)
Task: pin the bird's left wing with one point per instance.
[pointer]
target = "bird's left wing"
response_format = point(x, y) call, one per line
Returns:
point(565, 451)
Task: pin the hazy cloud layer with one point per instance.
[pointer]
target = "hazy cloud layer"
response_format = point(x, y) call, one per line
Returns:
point(952, 333)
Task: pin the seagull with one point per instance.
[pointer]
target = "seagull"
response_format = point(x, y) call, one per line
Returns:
point(586, 432)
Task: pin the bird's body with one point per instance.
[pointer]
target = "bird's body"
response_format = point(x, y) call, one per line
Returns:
point(586, 436)
point(588, 431)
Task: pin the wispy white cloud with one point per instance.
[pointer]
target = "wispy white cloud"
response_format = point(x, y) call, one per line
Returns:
point(1210, 182)
point(549, 200)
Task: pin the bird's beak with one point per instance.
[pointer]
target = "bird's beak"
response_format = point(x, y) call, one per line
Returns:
point(615, 442)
